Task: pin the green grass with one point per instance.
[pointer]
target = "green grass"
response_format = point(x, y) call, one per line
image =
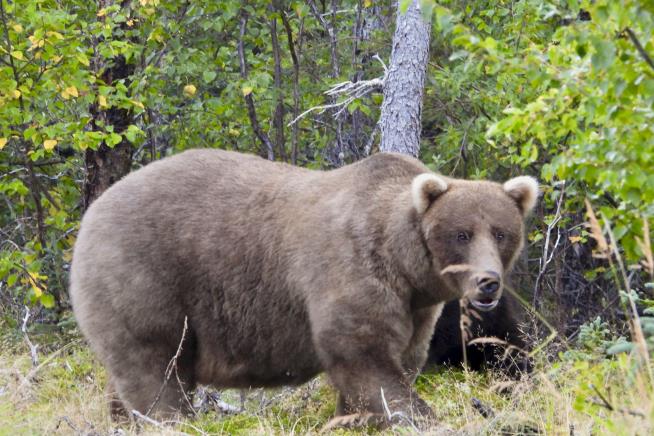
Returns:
point(65, 395)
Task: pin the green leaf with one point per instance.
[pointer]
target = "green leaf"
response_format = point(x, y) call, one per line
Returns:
point(621, 347)
point(404, 6)
point(208, 76)
point(604, 53)
point(11, 280)
point(112, 139)
point(47, 300)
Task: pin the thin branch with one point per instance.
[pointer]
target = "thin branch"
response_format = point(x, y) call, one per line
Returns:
point(329, 28)
point(278, 118)
point(172, 366)
point(33, 348)
point(249, 100)
point(606, 404)
point(351, 91)
point(30, 375)
point(296, 78)
point(147, 419)
point(44, 163)
point(639, 47)
point(547, 256)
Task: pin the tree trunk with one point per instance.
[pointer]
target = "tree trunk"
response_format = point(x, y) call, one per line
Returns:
point(401, 111)
point(107, 165)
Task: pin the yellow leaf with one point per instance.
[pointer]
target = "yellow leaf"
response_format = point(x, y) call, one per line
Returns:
point(247, 90)
point(574, 239)
point(3, 142)
point(15, 93)
point(81, 57)
point(137, 104)
point(49, 144)
point(55, 34)
point(130, 23)
point(189, 90)
point(17, 28)
point(18, 55)
point(35, 42)
point(33, 280)
point(102, 100)
point(367, 3)
point(68, 92)
point(102, 12)
point(234, 132)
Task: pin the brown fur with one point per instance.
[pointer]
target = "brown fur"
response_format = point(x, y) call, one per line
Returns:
point(282, 273)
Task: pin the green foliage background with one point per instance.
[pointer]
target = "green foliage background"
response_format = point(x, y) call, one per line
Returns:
point(563, 90)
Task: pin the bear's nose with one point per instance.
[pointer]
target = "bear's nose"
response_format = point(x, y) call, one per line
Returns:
point(490, 283)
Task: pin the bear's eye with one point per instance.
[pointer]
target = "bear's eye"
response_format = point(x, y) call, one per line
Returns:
point(499, 235)
point(463, 236)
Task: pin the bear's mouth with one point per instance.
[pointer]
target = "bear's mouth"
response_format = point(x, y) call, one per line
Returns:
point(485, 304)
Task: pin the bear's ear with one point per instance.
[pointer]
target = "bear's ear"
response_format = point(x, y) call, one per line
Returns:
point(425, 188)
point(524, 190)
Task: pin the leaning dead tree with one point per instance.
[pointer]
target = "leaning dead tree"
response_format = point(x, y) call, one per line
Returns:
point(401, 111)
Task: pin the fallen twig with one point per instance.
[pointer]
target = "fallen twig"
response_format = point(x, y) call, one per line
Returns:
point(397, 416)
point(147, 419)
point(607, 405)
point(33, 348)
point(172, 366)
point(70, 424)
point(30, 375)
point(484, 410)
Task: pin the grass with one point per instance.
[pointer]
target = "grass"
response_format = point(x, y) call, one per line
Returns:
point(65, 395)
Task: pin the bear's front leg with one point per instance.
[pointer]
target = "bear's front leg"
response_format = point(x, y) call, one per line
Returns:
point(369, 388)
point(362, 355)
point(415, 355)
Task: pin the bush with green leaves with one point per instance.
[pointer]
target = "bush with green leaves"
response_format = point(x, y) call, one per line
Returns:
point(573, 96)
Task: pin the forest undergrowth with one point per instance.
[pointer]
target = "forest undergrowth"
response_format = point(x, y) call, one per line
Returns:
point(577, 391)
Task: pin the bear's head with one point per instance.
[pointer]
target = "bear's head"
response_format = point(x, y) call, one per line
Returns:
point(473, 231)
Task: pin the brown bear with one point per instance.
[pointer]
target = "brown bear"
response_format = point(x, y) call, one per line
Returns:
point(282, 273)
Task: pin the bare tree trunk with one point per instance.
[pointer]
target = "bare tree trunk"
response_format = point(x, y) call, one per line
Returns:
point(278, 118)
point(295, 54)
point(401, 111)
point(107, 165)
point(267, 148)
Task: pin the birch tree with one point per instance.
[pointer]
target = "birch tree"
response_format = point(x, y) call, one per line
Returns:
point(401, 112)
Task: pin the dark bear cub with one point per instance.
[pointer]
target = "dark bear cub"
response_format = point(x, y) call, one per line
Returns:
point(502, 323)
